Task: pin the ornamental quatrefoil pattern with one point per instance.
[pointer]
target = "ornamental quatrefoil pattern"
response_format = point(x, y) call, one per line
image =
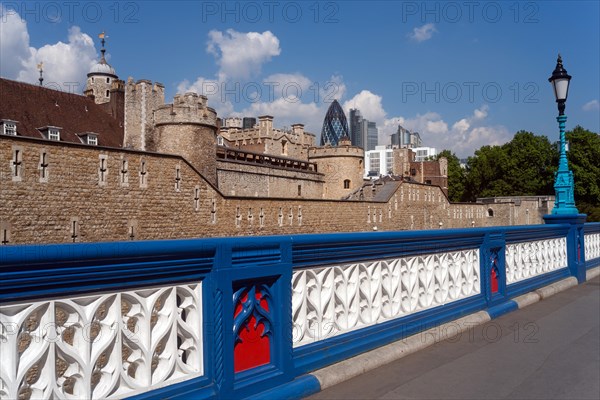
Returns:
point(101, 346)
point(328, 301)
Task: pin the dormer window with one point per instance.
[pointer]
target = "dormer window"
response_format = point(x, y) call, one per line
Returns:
point(51, 132)
point(9, 127)
point(90, 138)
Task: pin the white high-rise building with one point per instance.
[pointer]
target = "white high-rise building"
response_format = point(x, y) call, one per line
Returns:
point(379, 161)
point(424, 153)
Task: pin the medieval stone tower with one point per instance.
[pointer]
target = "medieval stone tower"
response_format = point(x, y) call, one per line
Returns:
point(187, 127)
point(342, 166)
point(100, 79)
point(141, 99)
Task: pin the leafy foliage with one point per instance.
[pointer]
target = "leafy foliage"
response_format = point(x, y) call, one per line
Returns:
point(584, 161)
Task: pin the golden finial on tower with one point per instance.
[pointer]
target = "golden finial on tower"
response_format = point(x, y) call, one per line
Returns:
point(40, 68)
point(103, 36)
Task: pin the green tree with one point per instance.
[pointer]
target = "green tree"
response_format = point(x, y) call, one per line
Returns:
point(522, 167)
point(456, 176)
point(486, 173)
point(530, 164)
point(584, 161)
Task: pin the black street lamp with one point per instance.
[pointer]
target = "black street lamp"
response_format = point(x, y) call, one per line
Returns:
point(560, 83)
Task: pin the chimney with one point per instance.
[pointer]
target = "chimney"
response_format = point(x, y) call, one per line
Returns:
point(265, 124)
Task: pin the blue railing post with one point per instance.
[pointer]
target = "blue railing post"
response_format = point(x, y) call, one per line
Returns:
point(494, 268)
point(575, 242)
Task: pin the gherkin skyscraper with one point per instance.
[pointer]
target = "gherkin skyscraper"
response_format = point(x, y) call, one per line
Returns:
point(335, 125)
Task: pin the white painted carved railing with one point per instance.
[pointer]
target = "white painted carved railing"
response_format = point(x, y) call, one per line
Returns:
point(592, 246)
point(328, 301)
point(529, 259)
point(101, 346)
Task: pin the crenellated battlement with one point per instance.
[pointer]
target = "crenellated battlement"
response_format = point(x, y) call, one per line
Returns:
point(189, 108)
point(338, 151)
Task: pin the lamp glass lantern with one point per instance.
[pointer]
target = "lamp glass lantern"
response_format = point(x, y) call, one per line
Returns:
point(560, 83)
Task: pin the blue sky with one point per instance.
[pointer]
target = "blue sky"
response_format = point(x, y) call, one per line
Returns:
point(463, 74)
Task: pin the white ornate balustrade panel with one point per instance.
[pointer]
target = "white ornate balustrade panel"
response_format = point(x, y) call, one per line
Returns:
point(328, 301)
point(101, 346)
point(592, 246)
point(529, 259)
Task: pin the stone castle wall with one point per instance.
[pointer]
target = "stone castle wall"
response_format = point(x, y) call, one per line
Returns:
point(243, 179)
point(101, 194)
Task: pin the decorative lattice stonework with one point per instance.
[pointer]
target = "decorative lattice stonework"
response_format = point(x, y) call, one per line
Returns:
point(592, 246)
point(328, 301)
point(530, 259)
point(101, 346)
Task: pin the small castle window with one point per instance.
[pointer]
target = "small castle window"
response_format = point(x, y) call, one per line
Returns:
point(299, 190)
point(9, 127)
point(490, 212)
point(5, 233)
point(196, 198)
point(107, 93)
point(143, 172)
point(347, 184)
point(124, 173)
point(75, 229)
point(43, 167)
point(17, 164)
point(102, 169)
point(107, 80)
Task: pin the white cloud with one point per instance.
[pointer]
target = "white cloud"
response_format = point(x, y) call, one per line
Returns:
point(241, 55)
point(464, 137)
point(592, 105)
point(369, 105)
point(213, 90)
point(281, 81)
point(65, 64)
point(423, 33)
point(15, 42)
point(287, 113)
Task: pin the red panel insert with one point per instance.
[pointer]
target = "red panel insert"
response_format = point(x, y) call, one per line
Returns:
point(254, 348)
point(494, 280)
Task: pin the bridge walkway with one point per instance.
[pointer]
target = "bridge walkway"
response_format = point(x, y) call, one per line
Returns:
point(548, 350)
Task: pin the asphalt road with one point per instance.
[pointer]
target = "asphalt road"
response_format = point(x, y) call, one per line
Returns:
point(548, 350)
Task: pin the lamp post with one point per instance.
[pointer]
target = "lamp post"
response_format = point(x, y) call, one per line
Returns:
point(563, 179)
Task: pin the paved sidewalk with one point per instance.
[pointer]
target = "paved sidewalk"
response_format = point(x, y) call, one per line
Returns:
point(548, 350)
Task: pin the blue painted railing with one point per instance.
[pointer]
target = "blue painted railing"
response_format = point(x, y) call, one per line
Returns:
point(270, 308)
point(592, 244)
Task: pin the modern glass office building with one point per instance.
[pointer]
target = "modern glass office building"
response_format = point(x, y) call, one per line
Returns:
point(335, 125)
point(356, 132)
